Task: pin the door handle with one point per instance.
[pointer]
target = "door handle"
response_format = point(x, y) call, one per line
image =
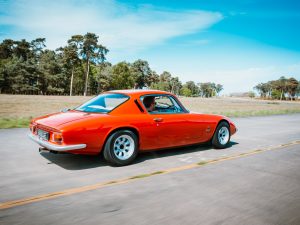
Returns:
point(158, 119)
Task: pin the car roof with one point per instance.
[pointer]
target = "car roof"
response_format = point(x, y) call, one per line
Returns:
point(139, 92)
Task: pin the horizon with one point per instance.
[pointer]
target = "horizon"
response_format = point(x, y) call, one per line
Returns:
point(234, 44)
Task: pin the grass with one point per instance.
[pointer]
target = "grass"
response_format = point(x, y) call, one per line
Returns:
point(202, 163)
point(17, 110)
point(111, 182)
point(14, 122)
point(146, 175)
point(260, 112)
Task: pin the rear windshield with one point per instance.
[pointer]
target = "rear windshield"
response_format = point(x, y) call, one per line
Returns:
point(103, 103)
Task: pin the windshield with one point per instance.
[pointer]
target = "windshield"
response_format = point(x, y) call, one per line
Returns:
point(103, 103)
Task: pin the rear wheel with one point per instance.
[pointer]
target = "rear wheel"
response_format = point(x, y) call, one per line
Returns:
point(221, 136)
point(121, 148)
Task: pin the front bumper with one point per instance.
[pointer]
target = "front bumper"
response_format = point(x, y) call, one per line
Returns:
point(54, 147)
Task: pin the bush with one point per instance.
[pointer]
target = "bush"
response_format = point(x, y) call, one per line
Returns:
point(251, 94)
point(186, 92)
point(276, 94)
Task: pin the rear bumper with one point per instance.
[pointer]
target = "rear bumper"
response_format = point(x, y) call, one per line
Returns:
point(54, 147)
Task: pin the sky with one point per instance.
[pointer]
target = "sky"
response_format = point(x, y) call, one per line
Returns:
point(236, 43)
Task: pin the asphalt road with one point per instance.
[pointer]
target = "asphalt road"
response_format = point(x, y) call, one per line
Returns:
point(258, 188)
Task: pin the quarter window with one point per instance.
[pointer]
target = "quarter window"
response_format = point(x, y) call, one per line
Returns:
point(103, 103)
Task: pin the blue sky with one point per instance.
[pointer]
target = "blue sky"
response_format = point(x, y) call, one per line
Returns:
point(235, 43)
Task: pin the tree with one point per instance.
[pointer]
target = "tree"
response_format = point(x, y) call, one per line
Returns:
point(153, 78)
point(28, 68)
point(52, 80)
point(262, 89)
point(209, 89)
point(20, 76)
point(141, 73)
point(37, 46)
point(165, 77)
point(71, 60)
point(281, 85)
point(6, 56)
point(22, 49)
point(219, 88)
point(251, 94)
point(276, 94)
point(104, 77)
point(269, 86)
point(6, 49)
point(18, 73)
point(121, 77)
point(298, 89)
point(175, 85)
point(185, 91)
point(193, 87)
point(292, 85)
point(164, 82)
point(278, 89)
point(91, 52)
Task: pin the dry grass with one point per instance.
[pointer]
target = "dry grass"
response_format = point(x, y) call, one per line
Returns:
point(237, 107)
point(22, 107)
point(15, 106)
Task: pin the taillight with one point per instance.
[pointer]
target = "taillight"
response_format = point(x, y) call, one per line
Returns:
point(33, 128)
point(57, 137)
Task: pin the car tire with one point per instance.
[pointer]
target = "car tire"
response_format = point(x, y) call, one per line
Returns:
point(121, 148)
point(221, 136)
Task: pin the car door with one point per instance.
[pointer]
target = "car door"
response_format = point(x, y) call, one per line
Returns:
point(173, 128)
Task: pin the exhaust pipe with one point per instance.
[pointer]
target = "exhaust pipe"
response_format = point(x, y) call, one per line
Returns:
point(41, 150)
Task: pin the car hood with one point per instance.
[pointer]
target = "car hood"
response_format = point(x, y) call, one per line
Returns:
point(57, 119)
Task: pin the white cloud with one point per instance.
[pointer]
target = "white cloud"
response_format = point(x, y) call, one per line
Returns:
point(120, 27)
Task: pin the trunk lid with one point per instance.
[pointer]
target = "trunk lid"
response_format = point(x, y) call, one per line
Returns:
point(57, 119)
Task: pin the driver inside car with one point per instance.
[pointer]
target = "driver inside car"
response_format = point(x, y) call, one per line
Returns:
point(149, 103)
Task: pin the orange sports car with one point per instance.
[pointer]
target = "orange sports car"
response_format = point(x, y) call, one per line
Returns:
point(122, 123)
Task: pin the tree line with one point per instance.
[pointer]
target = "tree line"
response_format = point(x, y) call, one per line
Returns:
point(81, 68)
point(281, 89)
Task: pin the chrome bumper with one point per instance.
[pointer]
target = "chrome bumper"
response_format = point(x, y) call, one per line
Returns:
point(54, 147)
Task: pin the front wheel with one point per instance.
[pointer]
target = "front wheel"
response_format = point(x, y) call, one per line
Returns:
point(121, 148)
point(221, 136)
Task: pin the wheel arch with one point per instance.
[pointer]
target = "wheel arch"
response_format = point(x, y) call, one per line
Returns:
point(130, 128)
point(215, 141)
point(220, 121)
point(224, 120)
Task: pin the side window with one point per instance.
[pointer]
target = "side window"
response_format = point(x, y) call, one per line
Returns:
point(161, 104)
